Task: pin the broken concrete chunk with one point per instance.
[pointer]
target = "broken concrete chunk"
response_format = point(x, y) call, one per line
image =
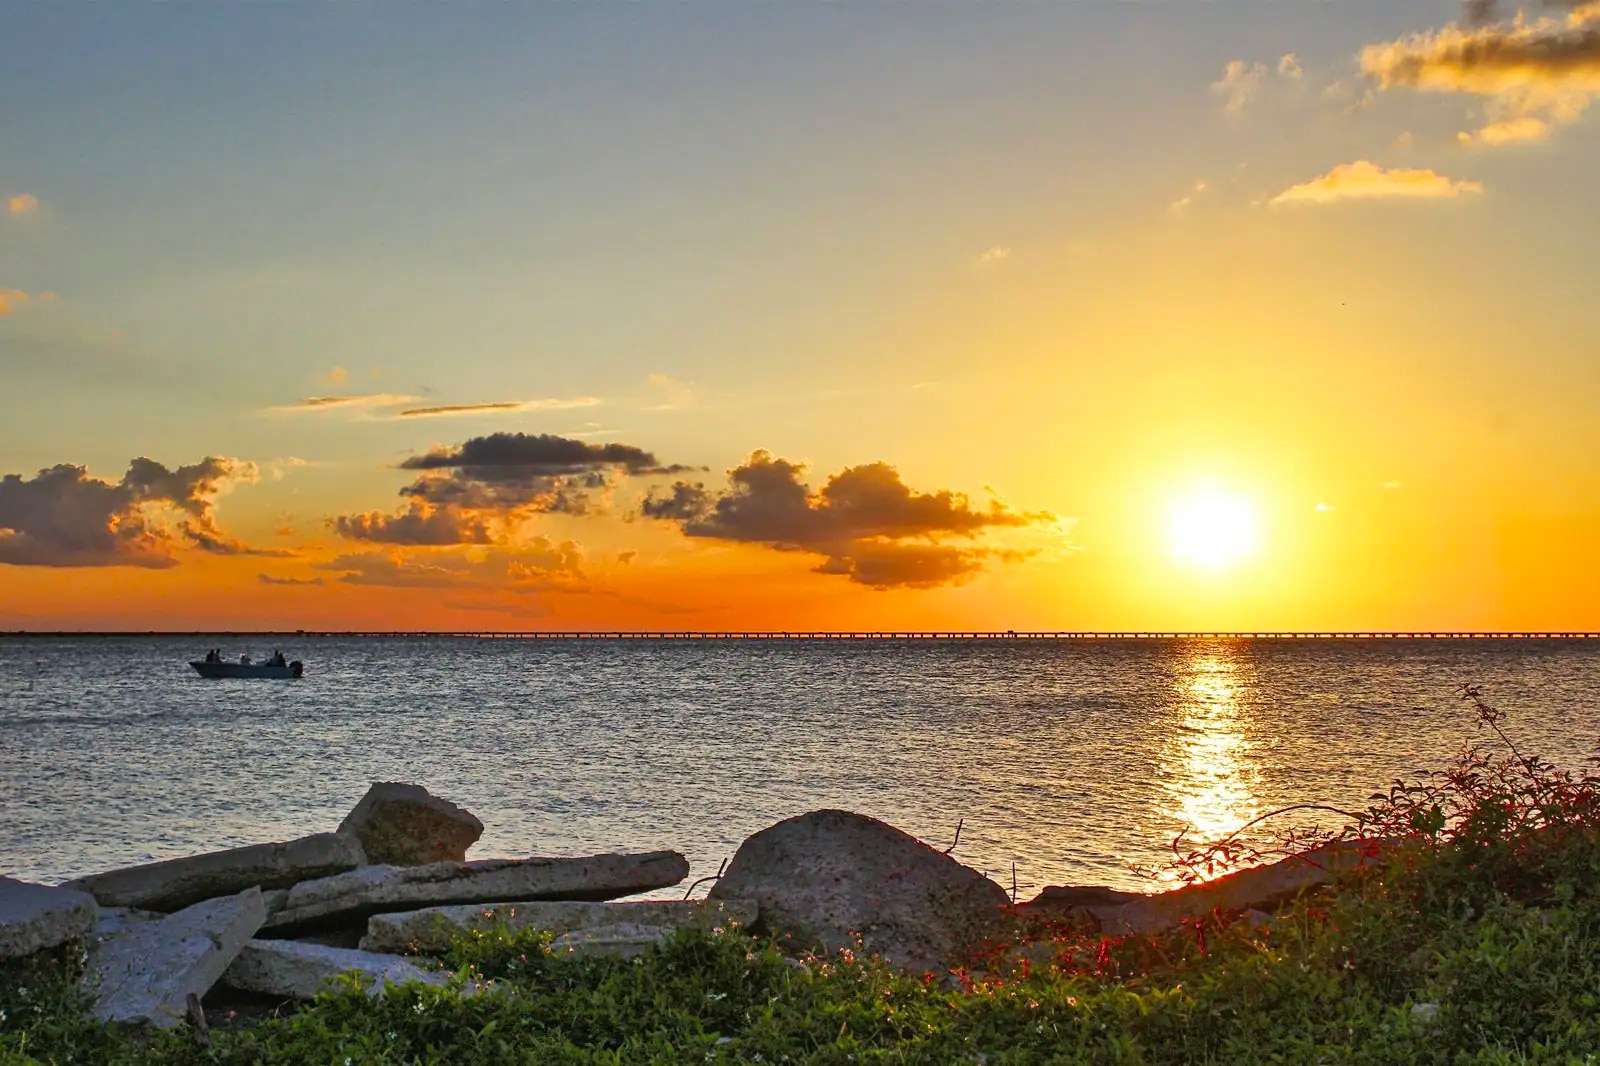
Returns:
point(34, 917)
point(299, 971)
point(406, 825)
point(177, 883)
point(432, 930)
point(145, 975)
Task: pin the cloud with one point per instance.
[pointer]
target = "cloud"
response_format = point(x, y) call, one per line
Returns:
point(1534, 73)
point(421, 524)
point(1184, 203)
point(1240, 84)
point(504, 477)
point(551, 404)
point(1363, 180)
point(338, 376)
point(675, 395)
point(64, 517)
point(534, 566)
point(867, 523)
point(22, 204)
point(268, 579)
point(342, 403)
point(1289, 67)
point(994, 256)
point(13, 300)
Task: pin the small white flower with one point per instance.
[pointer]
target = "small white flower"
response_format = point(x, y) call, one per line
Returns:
point(716, 996)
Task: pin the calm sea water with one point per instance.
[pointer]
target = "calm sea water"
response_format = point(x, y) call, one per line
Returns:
point(1073, 761)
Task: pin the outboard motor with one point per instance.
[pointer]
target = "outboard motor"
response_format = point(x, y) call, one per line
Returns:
point(297, 668)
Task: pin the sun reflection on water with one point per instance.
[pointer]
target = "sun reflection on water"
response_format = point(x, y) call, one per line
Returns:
point(1209, 772)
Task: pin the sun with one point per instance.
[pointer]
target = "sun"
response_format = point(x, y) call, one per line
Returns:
point(1211, 528)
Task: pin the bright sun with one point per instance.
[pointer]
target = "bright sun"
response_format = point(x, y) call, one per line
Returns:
point(1211, 528)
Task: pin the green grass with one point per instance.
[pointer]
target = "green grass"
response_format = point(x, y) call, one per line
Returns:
point(1478, 943)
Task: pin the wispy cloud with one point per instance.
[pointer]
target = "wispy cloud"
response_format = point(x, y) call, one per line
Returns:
point(268, 579)
point(1364, 180)
point(550, 404)
point(674, 395)
point(338, 376)
point(22, 204)
point(1239, 85)
point(12, 300)
point(342, 403)
point(994, 256)
point(1184, 203)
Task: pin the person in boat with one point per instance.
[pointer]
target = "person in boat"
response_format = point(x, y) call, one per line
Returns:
point(245, 658)
point(278, 659)
point(211, 655)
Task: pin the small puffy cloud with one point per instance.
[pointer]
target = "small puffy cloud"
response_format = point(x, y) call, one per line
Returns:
point(22, 204)
point(64, 517)
point(1534, 73)
point(1364, 180)
point(338, 376)
point(1239, 85)
point(12, 300)
point(994, 256)
point(1289, 67)
point(421, 524)
point(867, 524)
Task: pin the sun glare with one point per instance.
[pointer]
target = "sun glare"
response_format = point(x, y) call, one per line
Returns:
point(1212, 529)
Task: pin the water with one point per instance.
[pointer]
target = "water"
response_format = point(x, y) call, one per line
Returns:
point(1073, 761)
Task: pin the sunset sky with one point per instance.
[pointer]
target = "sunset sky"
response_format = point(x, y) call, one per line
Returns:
point(1097, 315)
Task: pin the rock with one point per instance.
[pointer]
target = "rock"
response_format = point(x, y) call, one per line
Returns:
point(406, 825)
point(372, 890)
point(299, 971)
point(114, 921)
point(432, 930)
point(1258, 888)
point(623, 940)
point(146, 974)
point(177, 883)
point(825, 877)
point(34, 917)
point(1067, 898)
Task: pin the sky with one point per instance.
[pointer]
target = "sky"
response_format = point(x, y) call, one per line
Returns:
point(1081, 316)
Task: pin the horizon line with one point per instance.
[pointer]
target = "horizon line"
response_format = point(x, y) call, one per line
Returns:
point(834, 635)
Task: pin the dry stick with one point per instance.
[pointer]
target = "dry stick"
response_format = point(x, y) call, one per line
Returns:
point(959, 823)
point(1013, 881)
point(197, 1020)
point(714, 877)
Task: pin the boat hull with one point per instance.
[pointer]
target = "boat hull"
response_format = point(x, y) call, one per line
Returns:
point(253, 670)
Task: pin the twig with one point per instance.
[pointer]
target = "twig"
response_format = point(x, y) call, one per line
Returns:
point(197, 1021)
point(714, 877)
point(959, 823)
point(1013, 881)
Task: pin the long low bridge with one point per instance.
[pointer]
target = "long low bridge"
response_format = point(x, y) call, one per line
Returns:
point(848, 635)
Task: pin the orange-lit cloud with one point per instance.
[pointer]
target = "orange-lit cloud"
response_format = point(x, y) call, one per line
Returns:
point(64, 517)
point(376, 401)
point(866, 523)
point(421, 524)
point(22, 204)
point(1536, 73)
point(994, 256)
point(551, 404)
point(1364, 180)
point(343, 403)
point(1183, 203)
point(537, 565)
point(1239, 84)
point(12, 300)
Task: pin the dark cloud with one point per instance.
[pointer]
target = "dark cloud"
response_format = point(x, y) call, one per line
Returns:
point(869, 524)
point(512, 472)
point(268, 579)
point(420, 524)
point(64, 517)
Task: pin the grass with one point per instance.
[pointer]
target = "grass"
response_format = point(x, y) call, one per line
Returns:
point(1478, 943)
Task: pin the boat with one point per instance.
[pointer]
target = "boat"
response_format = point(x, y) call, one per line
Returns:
point(244, 668)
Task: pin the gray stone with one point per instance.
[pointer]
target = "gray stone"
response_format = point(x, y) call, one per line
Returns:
point(824, 878)
point(146, 974)
point(406, 825)
point(176, 883)
point(114, 921)
point(1068, 898)
point(623, 940)
point(372, 890)
point(432, 930)
point(34, 917)
point(299, 971)
point(1258, 888)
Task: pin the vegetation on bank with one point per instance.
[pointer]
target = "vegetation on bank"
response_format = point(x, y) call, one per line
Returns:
point(1478, 942)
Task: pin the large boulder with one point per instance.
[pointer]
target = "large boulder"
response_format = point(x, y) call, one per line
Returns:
point(35, 917)
point(339, 900)
point(146, 974)
point(406, 825)
point(293, 970)
point(433, 929)
point(824, 878)
point(177, 883)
